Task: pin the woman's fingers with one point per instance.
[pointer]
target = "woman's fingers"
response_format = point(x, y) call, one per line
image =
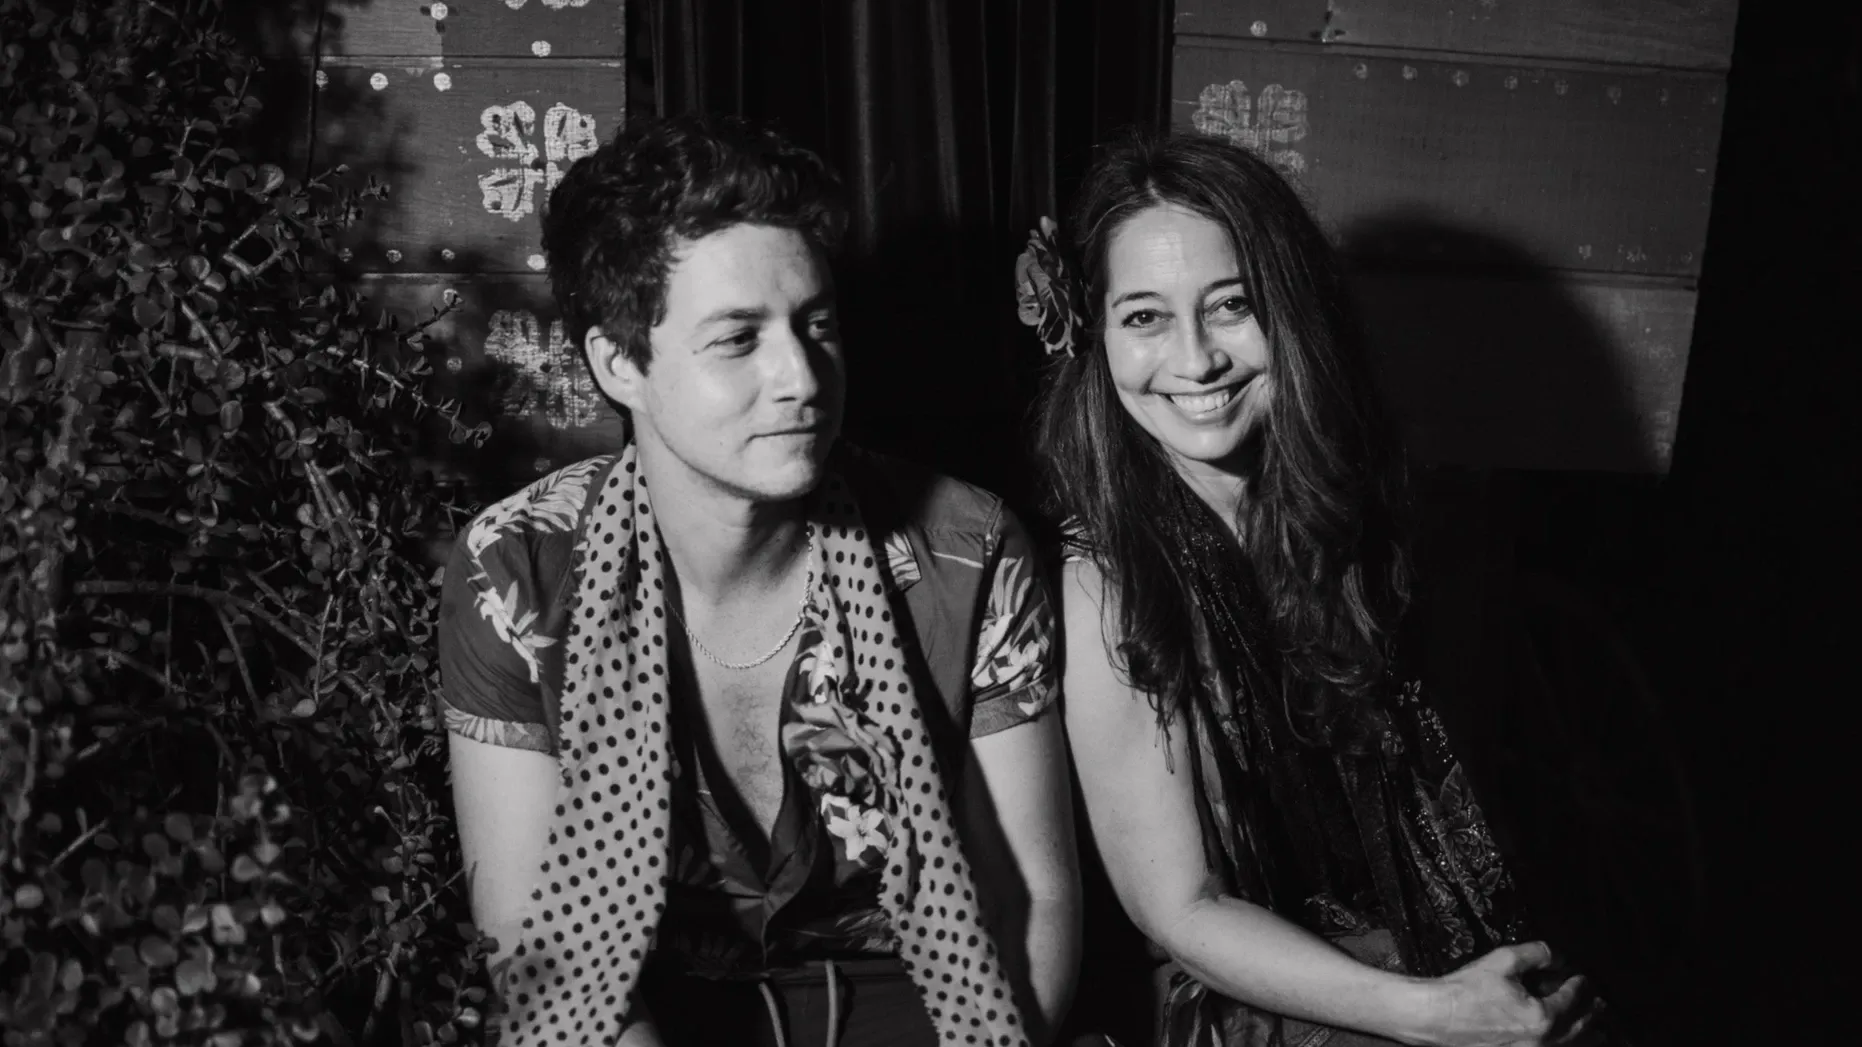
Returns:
point(1569, 1001)
point(1526, 956)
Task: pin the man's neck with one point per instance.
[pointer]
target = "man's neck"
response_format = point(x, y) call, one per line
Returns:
point(721, 543)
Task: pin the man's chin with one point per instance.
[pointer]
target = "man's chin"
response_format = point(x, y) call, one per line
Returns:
point(790, 476)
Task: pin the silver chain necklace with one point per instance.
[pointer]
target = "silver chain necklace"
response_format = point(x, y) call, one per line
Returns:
point(808, 588)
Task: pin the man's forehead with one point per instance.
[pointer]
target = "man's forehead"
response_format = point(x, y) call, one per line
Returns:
point(761, 265)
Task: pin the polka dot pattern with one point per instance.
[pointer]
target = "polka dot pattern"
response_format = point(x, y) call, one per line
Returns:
point(580, 956)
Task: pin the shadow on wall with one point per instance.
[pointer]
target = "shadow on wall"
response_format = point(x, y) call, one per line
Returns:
point(1510, 365)
point(1535, 404)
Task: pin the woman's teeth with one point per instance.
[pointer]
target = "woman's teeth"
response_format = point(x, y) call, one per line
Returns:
point(1203, 403)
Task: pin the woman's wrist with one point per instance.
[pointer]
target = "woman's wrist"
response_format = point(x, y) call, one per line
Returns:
point(1420, 1008)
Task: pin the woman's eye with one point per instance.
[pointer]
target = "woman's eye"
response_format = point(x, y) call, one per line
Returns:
point(739, 341)
point(1234, 307)
point(823, 327)
point(1141, 318)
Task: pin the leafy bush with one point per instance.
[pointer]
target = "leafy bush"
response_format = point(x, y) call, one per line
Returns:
point(224, 801)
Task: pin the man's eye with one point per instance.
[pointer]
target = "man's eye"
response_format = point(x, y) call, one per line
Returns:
point(740, 340)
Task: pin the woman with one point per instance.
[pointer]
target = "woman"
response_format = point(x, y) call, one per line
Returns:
point(1274, 810)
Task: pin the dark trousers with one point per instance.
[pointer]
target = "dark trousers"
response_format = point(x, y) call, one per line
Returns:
point(872, 1003)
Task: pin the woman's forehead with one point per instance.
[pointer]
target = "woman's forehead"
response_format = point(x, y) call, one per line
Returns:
point(1168, 244)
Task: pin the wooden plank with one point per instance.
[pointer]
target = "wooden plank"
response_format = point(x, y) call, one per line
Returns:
point(1531, 373)
point(468, 150)
point(476, 28)
point(500, 352)
point(1687, 34)
point(1597, 170)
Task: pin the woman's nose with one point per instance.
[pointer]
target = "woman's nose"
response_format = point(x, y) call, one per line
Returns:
point(1199, 359)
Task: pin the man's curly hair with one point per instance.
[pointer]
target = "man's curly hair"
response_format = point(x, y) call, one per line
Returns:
point(612, 224)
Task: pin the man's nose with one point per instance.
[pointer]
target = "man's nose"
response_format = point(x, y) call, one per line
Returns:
point(795, 366)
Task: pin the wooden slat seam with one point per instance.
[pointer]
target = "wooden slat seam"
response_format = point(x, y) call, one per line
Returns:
point(1441, 57)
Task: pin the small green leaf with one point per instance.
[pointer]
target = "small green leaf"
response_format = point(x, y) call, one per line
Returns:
point(227, 929)
point(158, 952)
point(193, 976)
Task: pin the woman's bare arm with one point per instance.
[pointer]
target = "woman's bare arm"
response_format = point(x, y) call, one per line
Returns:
point(1141, 806)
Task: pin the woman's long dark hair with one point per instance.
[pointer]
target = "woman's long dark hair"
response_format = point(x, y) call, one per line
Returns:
point(1319, 545)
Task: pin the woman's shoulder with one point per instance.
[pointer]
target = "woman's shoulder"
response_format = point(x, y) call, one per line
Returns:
point(1084, 591)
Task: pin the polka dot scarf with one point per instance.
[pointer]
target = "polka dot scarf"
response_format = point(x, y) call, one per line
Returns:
point(602, 885)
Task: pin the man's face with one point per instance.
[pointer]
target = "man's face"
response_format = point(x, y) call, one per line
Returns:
point(744, 388)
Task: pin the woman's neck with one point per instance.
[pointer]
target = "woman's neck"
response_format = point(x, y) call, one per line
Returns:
point(1222, 490)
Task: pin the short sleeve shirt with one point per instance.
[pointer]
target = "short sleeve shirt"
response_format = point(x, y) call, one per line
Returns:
point(964, 575)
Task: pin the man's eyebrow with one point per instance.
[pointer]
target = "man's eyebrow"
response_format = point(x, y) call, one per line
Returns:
point(733, 314)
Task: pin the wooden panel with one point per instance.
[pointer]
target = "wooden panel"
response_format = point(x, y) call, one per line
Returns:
point(1693, 34)
point(501, 353)
point(475, 28)
point(1601, 170)
point(468, 149)
point(1531, 373)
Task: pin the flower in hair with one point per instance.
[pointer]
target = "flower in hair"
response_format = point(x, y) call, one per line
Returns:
point(1044, 290)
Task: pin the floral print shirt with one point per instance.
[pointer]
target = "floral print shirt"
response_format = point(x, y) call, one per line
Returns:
point(963, 572)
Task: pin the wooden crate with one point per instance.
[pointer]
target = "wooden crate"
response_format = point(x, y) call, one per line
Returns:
point(1582, 169)
point(1688, 34)
point(501, 352)
point(470, 112)
point(468, 148)
point(475, 28)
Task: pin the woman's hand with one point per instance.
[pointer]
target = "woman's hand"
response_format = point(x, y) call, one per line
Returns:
point(1486, 1004)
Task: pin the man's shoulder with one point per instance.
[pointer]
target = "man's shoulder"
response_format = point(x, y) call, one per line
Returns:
point(547, 509)
point(896, 493)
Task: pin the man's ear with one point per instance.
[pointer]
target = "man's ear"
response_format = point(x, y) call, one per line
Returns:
point(617, 375)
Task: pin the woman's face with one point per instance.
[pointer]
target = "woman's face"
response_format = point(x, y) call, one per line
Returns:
point(1187, 356)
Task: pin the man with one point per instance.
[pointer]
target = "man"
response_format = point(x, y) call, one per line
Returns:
point(750, 732)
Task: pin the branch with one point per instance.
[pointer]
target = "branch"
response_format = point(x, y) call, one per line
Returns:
point(199, 593)
point(77, 843)
point(201, 326)
point(239, 658)
point(113, 657)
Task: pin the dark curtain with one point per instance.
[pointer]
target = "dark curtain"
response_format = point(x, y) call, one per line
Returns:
point(956, 124)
